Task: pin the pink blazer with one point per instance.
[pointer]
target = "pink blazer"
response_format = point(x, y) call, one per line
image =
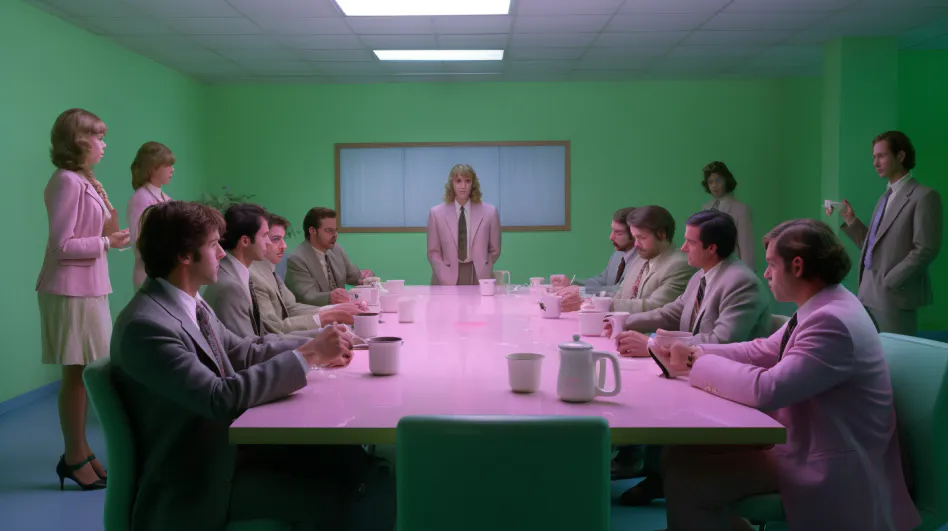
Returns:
point(443, 241)
point(75, 262)
point(140, 200)
point(841, 467)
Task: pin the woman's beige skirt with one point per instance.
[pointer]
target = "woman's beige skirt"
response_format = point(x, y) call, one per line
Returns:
point(75, 330)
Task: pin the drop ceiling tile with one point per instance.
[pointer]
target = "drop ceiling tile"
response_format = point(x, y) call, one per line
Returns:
point(784, 6)
point(281, 68)
point(237, 42)
point(193, 54)
point(276, 55)
point(448, 78)
point(544, 53)
point(604, 75)
point(156, 42)
point(205, 67)
point(618, 52)
point(400, 42)
point(213, 26)
point(473, 42)
point(358, 68)
point(336, 55)
point(763, 21)
point(474, 67)
point(286, 8)
point(567, 7)
point(569, 40)
point(615, 63)
point(304, 26)
point(130, 26)
point(391, 25)
point(560, 24)
point(656, 22)
point(692, 64)
point(538, 66)
point(322, 42)
point(712, 51)
point(723, 38)
point(412, 67)
point(471, 25)
point(97, 8)
point(672, 6)
point(184, 8)
point(641, 38)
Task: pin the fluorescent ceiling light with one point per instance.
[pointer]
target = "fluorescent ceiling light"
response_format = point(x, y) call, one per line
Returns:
point(428, 8)
point(440, 55)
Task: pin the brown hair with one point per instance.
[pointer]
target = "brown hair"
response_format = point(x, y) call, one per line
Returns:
point(69, 145)
point(654, 219)
point(315, 217)
point(462, 170)
point(277, 220)
point(622, 216)
point(824, 257)
point(173, 230)
point(150, 156)
point(720, 168)
point(898, 141)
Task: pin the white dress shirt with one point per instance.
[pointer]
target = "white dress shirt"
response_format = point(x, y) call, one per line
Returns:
point(467, 219)
point(156, 193)
point(898, 187)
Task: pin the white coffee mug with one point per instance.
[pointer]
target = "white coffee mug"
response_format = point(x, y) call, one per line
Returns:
point(406, 310)
point(367, 294)
point(536, 281)
point(667, 338)
point(601, 304)
point(488, 286)
point(389, 302)
point(367, 324)
point(617, 321)
point(550, 306)
point(384, 354)
point(523, 372)
point(590, 322)
point(394, 286)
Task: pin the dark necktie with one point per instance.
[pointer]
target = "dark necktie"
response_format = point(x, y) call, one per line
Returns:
point(329, 276)
point(716, 205)
point(876, 221)
point(276, 280)
point(699, 298)
point(462, 236)
point(204, 324)
point(620, 271)
point(638, 280)
point(254, 309)
point(791, 326)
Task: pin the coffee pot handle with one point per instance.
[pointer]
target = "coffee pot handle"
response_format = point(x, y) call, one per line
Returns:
point(617, 377)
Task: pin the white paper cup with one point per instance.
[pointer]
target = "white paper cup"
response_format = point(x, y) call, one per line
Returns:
point(406, 310)
point(523, 372)
point(488, 286)
point(390, 302)
point(384, 354)
point(590, 322)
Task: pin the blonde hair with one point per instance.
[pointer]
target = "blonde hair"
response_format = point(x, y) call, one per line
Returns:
point(150, 156)
point(462, 170)
point(69, 146)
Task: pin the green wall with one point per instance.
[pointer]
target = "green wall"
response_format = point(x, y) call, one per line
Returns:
point(47, 67)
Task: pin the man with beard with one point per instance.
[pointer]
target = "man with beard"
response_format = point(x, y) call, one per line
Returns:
point(624, 244)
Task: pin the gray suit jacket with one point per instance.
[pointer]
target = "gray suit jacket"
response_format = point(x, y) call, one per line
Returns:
point(606, 279)
point(741, 214)
point(307, 280)
point(736, 307)
point(667, 277)
point(279, 311)
point(230, 299)
point(907, 241)
point(180, 405)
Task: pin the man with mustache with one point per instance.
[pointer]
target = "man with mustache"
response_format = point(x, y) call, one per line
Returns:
point(624, 244)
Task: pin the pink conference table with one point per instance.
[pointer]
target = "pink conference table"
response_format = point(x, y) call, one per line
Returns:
point(453, 363)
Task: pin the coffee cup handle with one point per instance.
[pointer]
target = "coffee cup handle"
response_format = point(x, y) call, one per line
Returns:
point(614, 360)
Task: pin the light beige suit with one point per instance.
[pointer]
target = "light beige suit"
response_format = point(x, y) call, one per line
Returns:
point(666, 279)
point(307, 279)
point(229, 297)
point(741, 214)
point(443, 241)
point(907, 241)
point(279, 311)
point(736, 307)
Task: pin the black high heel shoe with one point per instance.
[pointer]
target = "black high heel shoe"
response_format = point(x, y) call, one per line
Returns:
point(64, 471)
point(103, 478)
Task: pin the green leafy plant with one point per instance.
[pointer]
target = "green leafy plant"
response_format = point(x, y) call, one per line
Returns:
point(221, 201)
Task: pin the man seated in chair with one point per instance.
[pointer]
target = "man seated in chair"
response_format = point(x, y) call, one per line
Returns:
point(609, 280)
point(824, 377)
point(318, 270)
point(183, 378)
point(278, 310)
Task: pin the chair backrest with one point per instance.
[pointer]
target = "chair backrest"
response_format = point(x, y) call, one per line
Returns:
point(919, 372)
point(776, 321)
point(120, 493)
point(506, 473)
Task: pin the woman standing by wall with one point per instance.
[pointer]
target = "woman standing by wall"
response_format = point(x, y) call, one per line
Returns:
point(151, 169)
point(720, 184)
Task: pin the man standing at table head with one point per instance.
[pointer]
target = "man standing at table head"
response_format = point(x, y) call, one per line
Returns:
point(624, 245)
point(279, 311)
point(902, 239)
point(318, 270)
point(183, 378)
point(823, 376)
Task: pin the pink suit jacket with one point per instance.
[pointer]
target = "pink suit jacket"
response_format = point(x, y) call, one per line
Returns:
point(75, 261)
point(841, 467)
point(140, 200)
point(443, 241)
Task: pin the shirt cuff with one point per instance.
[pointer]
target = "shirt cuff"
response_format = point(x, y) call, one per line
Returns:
point(105, 242)
point(306, 367)
point(316, 319)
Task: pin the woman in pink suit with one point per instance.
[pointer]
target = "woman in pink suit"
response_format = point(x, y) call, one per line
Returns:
point(73, 285)
point(823, 375)
point(151, 169)
point(463, 232)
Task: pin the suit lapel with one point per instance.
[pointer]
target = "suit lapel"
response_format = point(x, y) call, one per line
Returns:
point(892, 210)
point(449, 215)
point(689, 307)
point(168, 303)
point(315, 268)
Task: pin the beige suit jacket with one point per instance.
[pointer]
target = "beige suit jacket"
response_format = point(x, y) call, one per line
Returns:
point(443, 241)
point(307, 280)
point(741, 214)
point(667, 277)
point(279, 311)
point(907, 241)
point(736, 307)
point(230, 299)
